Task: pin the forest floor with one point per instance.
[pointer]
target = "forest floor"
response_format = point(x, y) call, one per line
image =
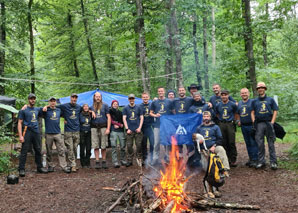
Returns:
point(273, 191)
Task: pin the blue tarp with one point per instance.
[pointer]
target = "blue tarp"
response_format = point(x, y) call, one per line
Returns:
point(107, 97)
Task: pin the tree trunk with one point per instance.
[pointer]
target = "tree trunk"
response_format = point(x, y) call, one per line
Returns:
point(142, 64)
point(89, 45)
point(72, 46)
point(264, 41)
point(196, 53)
point(2, 43)
point(205, 52)
point(169, 52)
point(248, 38)
point(213, 38)
point(177, 45)
point(31, 42)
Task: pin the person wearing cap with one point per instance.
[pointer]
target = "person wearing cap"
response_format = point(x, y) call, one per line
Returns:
point(85, 136)
point(29, 134)
point(263, 115)
point(53, 136)
point(216, 98)
point(147, 129)
point(100, 129)
point(226, 112)
point(117, 133)
point(193, 88)
point(171, 94)
point(198, 105)
point(71, 112)
point(159, 107)
point(244, 111)
point(133, 121)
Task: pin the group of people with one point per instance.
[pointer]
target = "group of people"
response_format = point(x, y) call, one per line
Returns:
point(93, 126)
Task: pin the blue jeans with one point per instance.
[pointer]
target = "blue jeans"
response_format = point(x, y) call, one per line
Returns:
point(147, 134)
point(251, 144)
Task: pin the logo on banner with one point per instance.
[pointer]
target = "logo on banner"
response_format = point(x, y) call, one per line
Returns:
point(181, 130)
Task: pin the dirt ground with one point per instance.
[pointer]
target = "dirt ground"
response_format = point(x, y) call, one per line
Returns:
point(273, 191)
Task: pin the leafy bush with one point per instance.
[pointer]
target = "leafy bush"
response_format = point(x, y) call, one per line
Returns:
point(5, 158)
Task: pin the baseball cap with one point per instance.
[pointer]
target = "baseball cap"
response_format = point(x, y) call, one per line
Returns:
point(261, 85)
point(52, 98)
point(131, 96)
point(31, 95)
point(74, 94)
point(224, 92)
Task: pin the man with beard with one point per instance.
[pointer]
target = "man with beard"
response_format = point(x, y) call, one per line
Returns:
point(182, 104)
point(213, 138)
point(159, 107)
point(216, 98)
point(133, 119)
point(100, 129)
point(244, 111)
point(147, 128)
point(226, 112)
point(198, 105)
point(263, 115)
point(28, 119)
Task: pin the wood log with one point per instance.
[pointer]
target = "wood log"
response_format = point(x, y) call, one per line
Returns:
point(112, 189)
point(213, 204)
point(154, 205)
point(169, 207)
point(121, 196)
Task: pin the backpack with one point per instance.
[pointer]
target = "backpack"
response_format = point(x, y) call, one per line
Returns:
point(215, 172)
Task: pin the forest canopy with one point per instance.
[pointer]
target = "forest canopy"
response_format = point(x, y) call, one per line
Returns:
point(53, 47)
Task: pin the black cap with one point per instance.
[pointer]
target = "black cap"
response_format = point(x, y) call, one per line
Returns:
point(31, 95)
point(131, 96)
point(74, 94)
point(194, 86)
point(225, 92)
point(52, 98)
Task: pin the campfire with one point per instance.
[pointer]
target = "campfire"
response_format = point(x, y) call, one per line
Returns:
point(172, 183)
point(165, 191)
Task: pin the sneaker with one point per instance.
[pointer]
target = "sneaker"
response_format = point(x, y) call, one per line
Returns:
point(66, 170)
point(123, 163)
point(22, 173)
point(104, 165)
point(50, 169)
point(248, 163)
point(129, 164)
point(260, 165)
point(253, 164)
point(217, 194)
point(73, 169)
point(116, 165)
point(42, 170)
point(97, 164)
point(273, 166)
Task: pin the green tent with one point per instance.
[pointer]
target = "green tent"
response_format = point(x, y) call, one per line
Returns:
point(9, 108)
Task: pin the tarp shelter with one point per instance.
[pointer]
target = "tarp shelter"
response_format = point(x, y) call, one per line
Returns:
point(107, 97)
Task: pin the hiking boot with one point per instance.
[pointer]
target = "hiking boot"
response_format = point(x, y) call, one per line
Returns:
point(217, 194)
point(66, 170)
point(73, 169)
point(248, 163)
point(50, 169)
point(260, 165)
point(123, 163)
point(253, 164)
point(104, 165)
point(129, 164)
point(22, 173)
point(116, 165)
point(273, 166)
point(42, 170)
point(97, 164)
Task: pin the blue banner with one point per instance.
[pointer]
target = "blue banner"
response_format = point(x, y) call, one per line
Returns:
point(181, 126)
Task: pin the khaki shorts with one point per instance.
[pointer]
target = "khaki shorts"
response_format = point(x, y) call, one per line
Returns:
point(99, 138)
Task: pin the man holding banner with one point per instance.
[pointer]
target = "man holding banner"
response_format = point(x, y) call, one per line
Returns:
point(160, 107)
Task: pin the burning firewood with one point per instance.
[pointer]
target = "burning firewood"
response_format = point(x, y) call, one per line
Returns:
point(154, 205)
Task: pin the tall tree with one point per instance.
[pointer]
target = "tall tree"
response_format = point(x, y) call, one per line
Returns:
point(196, 52)
point(170, 84)
point(141, 50)
point(205, 50)
point(264, 39)
point(213, 38)
point(248, 39)
point(176, 43)
point(72, 44)
point(89, 45)
point(2, 44)
point(31, 43)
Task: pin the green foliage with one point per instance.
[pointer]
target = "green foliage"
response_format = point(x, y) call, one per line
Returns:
point(5, 160)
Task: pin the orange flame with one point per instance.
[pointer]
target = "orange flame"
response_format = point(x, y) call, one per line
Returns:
point(172, 181)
